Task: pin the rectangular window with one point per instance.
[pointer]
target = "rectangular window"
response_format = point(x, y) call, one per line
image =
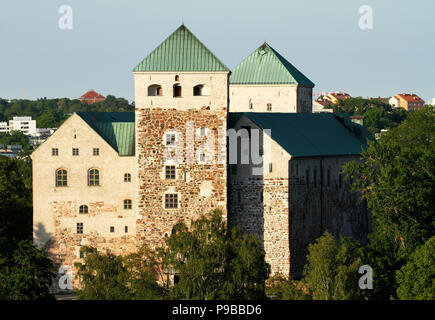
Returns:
point(112, 229)
point(170, 172)
point(170, 139)
point(171, 201)
point(127, 204)
point(270, 167)
point(202, 132)
point(75, 151)
point(55, 152)
point(96, 151)
point(126, 229)
point(269, 107)
point(79, 227)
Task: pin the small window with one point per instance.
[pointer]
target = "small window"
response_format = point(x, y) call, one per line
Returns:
point(170, 172)
point(83, 209)
point(127, 204)
point(75, 151)
point(127, 177)
point(202, 157)
point(93, 177)
point(96, 151)
point(55, 152)
point(177, 78)
point(308, 177)
point(112, 229)
point(269, 107)
point(234, 169)
point(251, 105)
point(177, 90)
point(61, 178)
point(270, 167)
point(79, 227)
point(126, 229)
point(170, 139)
point(202, 132)
point(171, 201)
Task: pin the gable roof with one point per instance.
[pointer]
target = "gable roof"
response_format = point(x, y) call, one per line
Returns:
point(267, 66)
point(116, 128)
point(310, 134)
point(409, 97)
point(181, 51)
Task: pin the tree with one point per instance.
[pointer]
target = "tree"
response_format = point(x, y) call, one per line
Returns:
point(212, 262)
point(416, 279)
point(110, 277)
point(396, 177)
point(332, 269)
point(281, 288)
point(26, 273)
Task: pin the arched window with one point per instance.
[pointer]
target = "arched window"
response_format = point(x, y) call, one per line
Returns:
point(93, 177)
point(201, 90)
point(61, 178)
point(177, 78)
point(127, 177)
point(155, 90)
point(177, 90)
point(83, 209)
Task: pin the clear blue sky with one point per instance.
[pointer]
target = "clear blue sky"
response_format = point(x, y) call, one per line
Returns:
point(321, 38)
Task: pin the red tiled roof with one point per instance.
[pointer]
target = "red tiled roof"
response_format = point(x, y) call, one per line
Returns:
point(92, 95)
point(409, 97)
point(340, 95)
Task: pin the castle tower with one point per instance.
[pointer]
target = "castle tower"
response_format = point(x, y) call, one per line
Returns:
point(266, 82)
point(181, 98)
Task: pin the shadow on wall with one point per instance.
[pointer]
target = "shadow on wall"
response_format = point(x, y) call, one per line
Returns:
point(42, 238)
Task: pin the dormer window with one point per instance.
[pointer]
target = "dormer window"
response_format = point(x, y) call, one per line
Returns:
point(177, 90)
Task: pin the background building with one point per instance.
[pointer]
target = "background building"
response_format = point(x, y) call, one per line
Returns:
point(407, 101)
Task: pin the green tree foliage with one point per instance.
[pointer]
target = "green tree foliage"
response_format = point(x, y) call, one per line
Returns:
point(110, 277)
point(396, 177)
point(51, 113)
point(332, 269)
point(213, 262)
point(416, 279)
point(14, 138)
point(281, 288)
point(26, 273)
point(378, 114)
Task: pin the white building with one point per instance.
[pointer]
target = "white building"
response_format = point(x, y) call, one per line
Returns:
point(432, 101)
point(4, 128)
point(24, 124)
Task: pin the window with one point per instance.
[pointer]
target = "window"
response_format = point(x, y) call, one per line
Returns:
point(308, 177)
point(177, 90)
point(55, 152)
point(79, 227)
point(170, 172)
point(202, 132)
point(251, 105)
point(155, 90)
point(93, 177)
point(75, 151)
point(170, 139)
point(127, 177)
point(202, 157)
point(177, 78)
point(112, 229)
point(61, 178)
point(83, 209)
point(127, 204)
point(126, 229)
point(171, 201)
point(197, 90)
point(270, 167)
point(269, 107)
point(96, 151)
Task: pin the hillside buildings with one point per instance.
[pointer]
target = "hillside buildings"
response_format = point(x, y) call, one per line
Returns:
point(201, 138)
point(407, 101)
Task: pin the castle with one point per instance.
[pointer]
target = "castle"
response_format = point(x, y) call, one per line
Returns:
point(201, 138)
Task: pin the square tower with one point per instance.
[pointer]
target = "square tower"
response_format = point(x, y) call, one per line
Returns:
point(181, 98)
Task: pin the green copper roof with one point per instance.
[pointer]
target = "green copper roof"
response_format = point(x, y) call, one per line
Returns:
point(266, 66)
point(309, 134)
point(116, 128)
point(181, 51)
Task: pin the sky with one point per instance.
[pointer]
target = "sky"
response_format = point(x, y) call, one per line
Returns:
point(323, 39)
